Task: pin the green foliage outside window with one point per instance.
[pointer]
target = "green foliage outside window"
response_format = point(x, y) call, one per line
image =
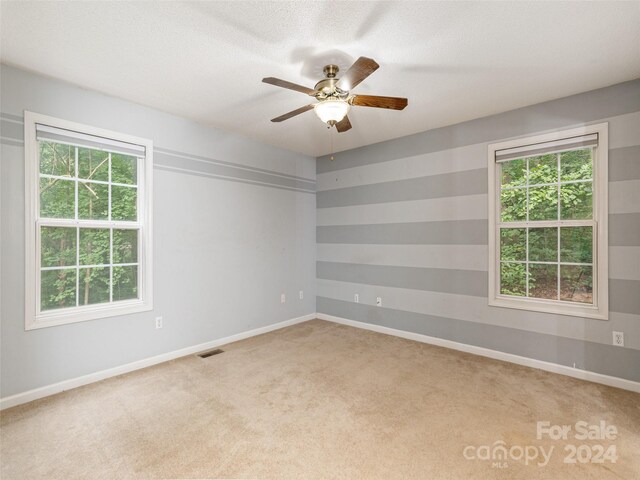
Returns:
point(94, 255)
point(547, 188)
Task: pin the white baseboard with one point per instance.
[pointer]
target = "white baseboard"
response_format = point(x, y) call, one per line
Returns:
point(495, 354)
point(47, 390)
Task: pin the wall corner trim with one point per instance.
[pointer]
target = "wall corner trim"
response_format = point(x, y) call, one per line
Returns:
point(495, 354)
point(47, 390)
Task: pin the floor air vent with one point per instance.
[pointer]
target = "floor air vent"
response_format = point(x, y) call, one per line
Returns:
point(210, 353)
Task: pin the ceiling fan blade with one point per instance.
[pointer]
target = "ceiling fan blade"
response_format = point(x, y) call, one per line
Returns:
point(293, 113)
point(291, 86)
point(361, 69)
point(394, 103)
point(343, 125)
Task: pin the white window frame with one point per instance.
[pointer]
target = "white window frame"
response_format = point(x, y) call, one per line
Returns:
point(33, 317)
point(600, 308)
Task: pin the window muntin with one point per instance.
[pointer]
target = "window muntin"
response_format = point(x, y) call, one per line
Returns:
point(548, 223)
point(89, 222)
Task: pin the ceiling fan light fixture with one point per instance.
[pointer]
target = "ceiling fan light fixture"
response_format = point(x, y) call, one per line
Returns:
point(332, 110)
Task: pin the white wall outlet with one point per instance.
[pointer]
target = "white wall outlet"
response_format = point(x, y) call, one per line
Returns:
point(158, 322)
point(301, 295)
point(283, 298)
point(356, 298)
point(379, 301)
point(618, 339)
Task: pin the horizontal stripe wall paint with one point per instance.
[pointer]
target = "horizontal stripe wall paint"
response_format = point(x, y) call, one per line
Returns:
point(467, 182)
point(215, 168)
point(229, 179)
point(476, 309)
point(461, 257)
point(12, 128)
point(624, 262)
point(623, 296)
point(624, 130)
point(624, 230)
point(433, 163)
point(624, 197)
point(591, 356)
point(468, 207)
point(463, 232)
point(623, 165)
point(562, 113)
point(406, 220)
point(461, 282)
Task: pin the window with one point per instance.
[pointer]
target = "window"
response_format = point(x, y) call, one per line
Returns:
point(88, 229)
point(548, 223)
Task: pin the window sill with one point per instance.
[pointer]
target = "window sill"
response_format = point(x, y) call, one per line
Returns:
point(550, 306)
point(83, 314)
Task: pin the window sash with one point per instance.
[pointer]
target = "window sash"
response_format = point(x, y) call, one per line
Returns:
point(78, 225)
point(77, 180)
point(559, 183)
point(548, 224)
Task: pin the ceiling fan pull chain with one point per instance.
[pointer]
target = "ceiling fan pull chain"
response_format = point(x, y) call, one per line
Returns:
point(331, 144)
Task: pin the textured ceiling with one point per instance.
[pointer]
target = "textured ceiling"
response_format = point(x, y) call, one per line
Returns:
point(205, 60)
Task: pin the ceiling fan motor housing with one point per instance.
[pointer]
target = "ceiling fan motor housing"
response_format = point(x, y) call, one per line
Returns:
point(327, 87)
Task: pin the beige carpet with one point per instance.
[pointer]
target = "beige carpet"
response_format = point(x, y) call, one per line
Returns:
point(317, 401)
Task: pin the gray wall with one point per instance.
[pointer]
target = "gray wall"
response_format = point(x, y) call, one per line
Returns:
point(407, 220)
point(234, 228)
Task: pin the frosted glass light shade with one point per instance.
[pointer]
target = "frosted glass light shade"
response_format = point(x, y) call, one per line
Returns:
point(329, 110)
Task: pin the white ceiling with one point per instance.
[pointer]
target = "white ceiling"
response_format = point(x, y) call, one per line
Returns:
point(205, 60)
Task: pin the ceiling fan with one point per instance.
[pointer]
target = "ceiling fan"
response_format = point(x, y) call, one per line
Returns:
point(334, 97)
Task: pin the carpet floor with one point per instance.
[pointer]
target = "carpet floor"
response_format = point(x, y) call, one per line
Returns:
point(320, 400)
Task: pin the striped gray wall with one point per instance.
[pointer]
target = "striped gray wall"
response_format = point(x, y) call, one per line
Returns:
point(406, 220)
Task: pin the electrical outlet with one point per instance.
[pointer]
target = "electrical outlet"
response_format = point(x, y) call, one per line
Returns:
point(301, 295)
point(379, 301)
point(158, 322)
point(618, 339)
point(283, 298)
point(356, 298)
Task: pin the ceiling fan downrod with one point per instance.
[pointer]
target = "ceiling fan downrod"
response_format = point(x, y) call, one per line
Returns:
point(330, 71)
